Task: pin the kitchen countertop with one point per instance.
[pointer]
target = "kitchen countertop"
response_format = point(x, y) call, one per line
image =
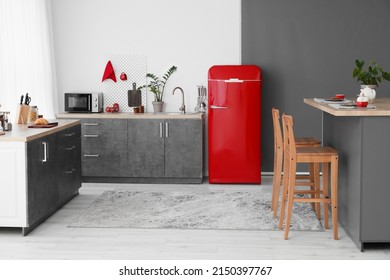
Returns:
point(129, 116)
point(21, 132)
point(382, 108)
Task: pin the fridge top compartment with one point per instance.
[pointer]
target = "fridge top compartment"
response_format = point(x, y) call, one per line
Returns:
point(241, 72)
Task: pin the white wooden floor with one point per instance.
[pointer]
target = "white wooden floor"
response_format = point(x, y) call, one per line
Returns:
point(54, 240)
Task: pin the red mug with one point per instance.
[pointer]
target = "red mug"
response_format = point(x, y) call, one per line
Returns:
point(362, 104)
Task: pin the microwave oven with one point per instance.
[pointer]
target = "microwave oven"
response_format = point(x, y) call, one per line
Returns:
point(84, 102)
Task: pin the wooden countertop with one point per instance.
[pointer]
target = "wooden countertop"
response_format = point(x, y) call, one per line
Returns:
point(129, 116)
point(21, 132)
point(382, 108)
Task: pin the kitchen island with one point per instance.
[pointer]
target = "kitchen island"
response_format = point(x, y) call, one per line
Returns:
point(40, 172)
point(362, 138)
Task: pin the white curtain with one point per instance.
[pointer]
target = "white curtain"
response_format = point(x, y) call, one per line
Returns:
point(26, 56)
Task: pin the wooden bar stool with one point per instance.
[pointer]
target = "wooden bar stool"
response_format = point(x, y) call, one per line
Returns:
point(294, 155)
point(312, 180)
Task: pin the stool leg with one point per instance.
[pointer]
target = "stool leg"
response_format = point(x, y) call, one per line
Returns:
point(325, 188)
point(317, 188)
point(286, 175)
point(334, 188)
point(312, 174)
point(290, 200)
point(278, 162)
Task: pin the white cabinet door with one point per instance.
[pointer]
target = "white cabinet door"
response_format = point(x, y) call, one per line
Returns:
point(13, 211)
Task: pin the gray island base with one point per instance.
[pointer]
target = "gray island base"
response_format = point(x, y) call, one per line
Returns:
point(362, 139)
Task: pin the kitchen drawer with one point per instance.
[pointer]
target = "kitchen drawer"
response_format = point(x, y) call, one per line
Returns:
point(67, 135)
point(70, 155)
point(95, 139)
point(104, 124)
point(104, 163)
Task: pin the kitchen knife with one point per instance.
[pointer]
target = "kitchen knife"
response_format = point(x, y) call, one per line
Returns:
point(21, 99)
point(27, 99)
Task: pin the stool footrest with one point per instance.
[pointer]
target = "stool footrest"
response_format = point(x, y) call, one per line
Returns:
point(328, 200)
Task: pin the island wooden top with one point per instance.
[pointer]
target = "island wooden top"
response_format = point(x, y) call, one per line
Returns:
point(130, 116)
point(382, 108)
point(21, 132)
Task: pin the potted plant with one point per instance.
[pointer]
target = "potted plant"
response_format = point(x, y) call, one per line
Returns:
point(369, 77)
point(157, 87)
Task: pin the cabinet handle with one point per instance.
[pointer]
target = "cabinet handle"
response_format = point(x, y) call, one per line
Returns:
point(92, 156)
point(45, 152)
point(91, 124)
point(166, 130)
point(70, 148)
point(91, 135)
point(161, 129)
point(70, 171)
point(70, 134)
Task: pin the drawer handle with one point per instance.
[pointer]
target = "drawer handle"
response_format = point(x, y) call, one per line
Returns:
point(70, 148)
point(71, 171)
point(92, 156)
point(91, 135)
point(161, 130)
point(91, 124)
point(70, 134)
point(45, 152)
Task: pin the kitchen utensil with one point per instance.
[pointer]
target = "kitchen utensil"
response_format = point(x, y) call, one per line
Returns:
point(21, 99)
point(27, 100)
point(134, 96)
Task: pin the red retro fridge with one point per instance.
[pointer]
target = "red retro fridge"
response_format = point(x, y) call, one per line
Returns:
point(234, 124)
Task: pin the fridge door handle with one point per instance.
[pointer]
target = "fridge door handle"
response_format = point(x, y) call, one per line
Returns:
point(218, 107)
point(234, 80)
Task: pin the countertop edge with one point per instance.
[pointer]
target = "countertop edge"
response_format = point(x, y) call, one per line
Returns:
point(199, 115)
point(382, 109)
point(21, 133)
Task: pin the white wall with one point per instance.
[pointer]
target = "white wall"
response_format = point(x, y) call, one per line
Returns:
point(191, 34)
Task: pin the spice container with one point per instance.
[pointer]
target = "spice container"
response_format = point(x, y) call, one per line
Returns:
point(32, 114)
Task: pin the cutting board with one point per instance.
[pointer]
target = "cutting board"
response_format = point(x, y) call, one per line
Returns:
point(134, 96)
point(49, 125)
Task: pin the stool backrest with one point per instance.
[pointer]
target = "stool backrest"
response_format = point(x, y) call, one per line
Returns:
point(278, 140)
point(288, 136)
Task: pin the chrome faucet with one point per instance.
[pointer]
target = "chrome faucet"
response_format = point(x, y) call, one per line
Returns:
point(183, 106)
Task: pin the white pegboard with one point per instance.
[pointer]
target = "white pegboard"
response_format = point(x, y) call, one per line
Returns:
point(135, 67)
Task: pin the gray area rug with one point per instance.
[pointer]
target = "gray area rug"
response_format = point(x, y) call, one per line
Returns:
point(190, 210)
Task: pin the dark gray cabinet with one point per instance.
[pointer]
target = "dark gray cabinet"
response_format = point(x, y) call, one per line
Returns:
point(183, 148)
point(146, 148)
point(69, 163)
point(166, 148)
point(142, 150)
point(104, 147)
point(53, 173)
point(42, 178)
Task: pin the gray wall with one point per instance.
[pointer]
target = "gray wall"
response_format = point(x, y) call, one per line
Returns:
point(307, 48)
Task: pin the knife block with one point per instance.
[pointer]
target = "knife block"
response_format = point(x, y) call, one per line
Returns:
point(22, 114)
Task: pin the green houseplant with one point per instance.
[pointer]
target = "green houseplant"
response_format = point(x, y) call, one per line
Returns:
point(372, 75)
point(157, 85)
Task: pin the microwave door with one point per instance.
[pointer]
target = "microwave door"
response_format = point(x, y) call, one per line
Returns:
point(89, 103)
point(78, 102)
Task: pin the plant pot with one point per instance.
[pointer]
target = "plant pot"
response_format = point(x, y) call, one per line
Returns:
point(157, 106)
point(370, 94)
